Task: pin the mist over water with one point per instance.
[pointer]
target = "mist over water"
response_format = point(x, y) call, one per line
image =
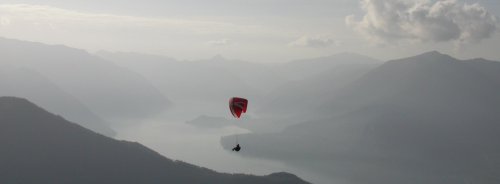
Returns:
point(200, 91)
point(175, 139)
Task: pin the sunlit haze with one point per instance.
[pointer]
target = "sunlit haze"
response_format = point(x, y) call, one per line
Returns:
point(260, 30)
point(250, 91)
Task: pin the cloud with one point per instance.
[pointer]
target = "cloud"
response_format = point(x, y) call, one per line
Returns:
point(388, 21)
point(222, 42)
point(314, 42)
point(45, 15)
point(24, 18)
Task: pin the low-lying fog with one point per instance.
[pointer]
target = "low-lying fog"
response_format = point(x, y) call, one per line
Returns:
point(177, 140)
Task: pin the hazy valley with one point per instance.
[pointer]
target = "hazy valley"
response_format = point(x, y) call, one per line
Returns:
point(345, 118)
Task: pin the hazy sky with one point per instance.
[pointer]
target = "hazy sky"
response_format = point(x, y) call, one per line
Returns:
point(260, 30)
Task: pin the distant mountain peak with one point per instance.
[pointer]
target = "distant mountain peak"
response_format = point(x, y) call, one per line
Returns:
point(433, 54)
point(283, 175)
point(432, 57)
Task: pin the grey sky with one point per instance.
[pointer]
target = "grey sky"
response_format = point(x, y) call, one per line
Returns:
point(257, 30)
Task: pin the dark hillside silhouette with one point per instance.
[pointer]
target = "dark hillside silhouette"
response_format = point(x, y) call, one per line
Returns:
point(37, 147)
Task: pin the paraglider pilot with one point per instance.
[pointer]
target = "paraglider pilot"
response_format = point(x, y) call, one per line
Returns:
point(238, 106)
point(237, 148)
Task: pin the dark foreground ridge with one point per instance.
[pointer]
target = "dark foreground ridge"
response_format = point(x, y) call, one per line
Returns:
point(39, 147)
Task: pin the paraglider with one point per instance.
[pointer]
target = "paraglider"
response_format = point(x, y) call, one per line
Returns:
point(238, 106)
point(237, 148)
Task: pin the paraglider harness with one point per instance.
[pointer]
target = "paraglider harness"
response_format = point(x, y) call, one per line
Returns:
point(237, 148)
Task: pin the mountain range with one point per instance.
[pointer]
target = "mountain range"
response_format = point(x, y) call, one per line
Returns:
point(205, 80)
point(40, 147)
point(35, 87)
point(107, 89)
point(430, 118)
point(314, 80)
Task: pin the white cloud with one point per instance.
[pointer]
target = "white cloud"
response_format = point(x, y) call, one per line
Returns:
point(424, 20)
point(178, 36)
point(314, 42)
point(35, 21)
point(46, 15)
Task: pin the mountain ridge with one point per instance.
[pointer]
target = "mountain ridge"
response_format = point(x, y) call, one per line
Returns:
point(39, 147)
point(27, 83)
point(424, 119)
point(109, 90)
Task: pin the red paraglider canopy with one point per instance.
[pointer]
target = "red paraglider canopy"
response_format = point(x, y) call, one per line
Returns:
point(238, 106)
